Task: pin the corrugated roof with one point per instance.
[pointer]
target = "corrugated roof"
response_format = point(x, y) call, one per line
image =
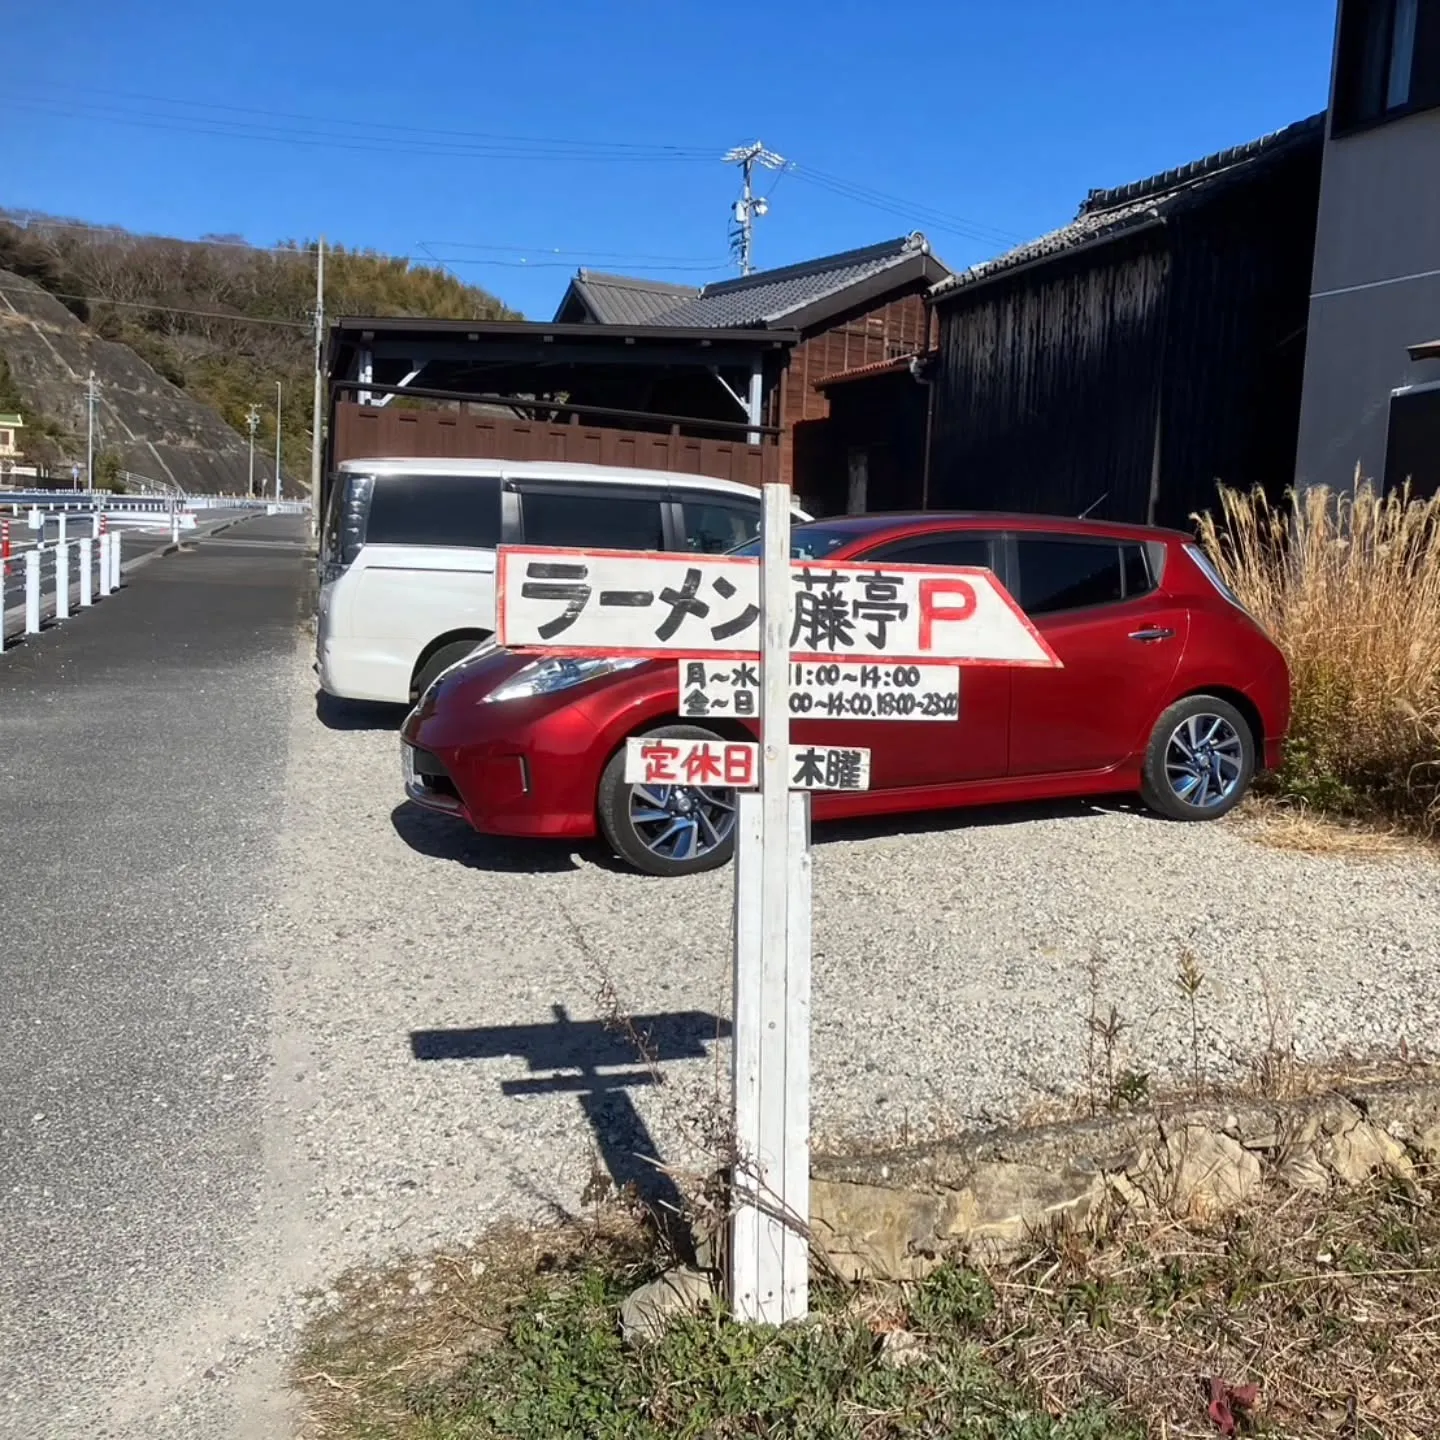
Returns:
point(1106, 214)
point(626, 300)
point(770, 295)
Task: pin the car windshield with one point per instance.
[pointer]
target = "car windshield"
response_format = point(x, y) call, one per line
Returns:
point(807, 542)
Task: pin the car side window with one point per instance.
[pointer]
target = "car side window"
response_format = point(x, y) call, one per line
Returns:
point(1059, 574)
point(601, 521)
point(434, 510)
point(713, 527)
point(936, 550)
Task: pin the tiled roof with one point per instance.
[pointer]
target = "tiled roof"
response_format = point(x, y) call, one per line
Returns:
point(865, 372)
point(625, 300)
point(770, 295)
point(1109, 213)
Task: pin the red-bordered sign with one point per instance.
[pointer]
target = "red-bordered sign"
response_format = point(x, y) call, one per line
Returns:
point(617, 602)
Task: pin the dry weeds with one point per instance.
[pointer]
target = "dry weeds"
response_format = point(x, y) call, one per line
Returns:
point(1349, 588)
point(1330, 1305)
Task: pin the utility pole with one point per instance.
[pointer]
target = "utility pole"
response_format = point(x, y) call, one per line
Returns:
point(90, 434)
point(317, 417)
point(749, 206)
point(278, 399)
point(252, 421)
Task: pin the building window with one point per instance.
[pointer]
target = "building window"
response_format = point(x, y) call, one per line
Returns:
point(1389, 60)
point(7, 439)
point(1412, 446)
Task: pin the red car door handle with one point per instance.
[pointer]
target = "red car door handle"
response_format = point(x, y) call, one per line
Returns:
point(1158, 632)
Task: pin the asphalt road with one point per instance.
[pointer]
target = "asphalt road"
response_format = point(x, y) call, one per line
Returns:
point(142, 751)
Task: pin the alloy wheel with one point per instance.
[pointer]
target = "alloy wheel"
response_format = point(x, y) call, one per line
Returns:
point(681, 822)
point(1204, 761)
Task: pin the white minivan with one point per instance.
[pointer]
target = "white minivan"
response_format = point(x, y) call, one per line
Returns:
point(408, 554)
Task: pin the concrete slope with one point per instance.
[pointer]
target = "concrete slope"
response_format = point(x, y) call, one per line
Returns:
point(159, 430)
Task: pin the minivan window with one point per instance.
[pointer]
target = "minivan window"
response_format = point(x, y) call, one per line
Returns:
point(711, 528)
point(602, 522)
point(461, 510)
point(1060, 574)
point(345, 522)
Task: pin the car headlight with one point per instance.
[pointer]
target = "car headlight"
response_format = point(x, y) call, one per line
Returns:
point(545, 677)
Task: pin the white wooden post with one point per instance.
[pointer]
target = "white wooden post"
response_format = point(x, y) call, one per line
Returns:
point(87, 595)
point(106, 540)
point(64, 520)
point(62, 580)
point(32, 592)
point(769, 1252)
point(115, 559)
point(174, 523)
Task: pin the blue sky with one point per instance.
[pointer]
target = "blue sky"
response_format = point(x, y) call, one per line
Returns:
point(993, 118)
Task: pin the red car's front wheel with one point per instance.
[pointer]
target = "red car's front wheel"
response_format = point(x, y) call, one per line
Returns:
point(666, 829)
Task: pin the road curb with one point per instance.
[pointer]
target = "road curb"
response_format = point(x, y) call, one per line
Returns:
point(141, 560)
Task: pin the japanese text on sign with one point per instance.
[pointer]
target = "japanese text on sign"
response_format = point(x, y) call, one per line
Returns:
point(735, 765)
point(648, 604)
point(820, 690)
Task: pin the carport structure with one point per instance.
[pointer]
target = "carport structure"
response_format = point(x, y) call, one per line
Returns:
point(696, 401)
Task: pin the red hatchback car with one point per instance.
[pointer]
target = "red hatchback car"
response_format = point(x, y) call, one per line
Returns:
point(1168, 687)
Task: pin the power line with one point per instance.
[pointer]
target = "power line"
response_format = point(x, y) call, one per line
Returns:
point(39, 223)
point(925, 215)
point(571, 151)
point(697, 152)
point(162, 309)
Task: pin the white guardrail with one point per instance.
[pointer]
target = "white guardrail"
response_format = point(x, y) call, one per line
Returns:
point(48, 580)
point(60, 551)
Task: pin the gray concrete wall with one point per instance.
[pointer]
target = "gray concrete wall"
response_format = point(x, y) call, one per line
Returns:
point(1375, 290)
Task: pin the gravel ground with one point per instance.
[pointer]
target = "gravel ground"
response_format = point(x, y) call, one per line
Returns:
point(950, 986)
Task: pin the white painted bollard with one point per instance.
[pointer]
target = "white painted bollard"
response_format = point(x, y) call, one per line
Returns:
point(95, 526)
point(64, 517)
point(87, 594)
point(62, 581)
point(115, 559)
point(174, 525)
point(32, 592)
point(106, 541)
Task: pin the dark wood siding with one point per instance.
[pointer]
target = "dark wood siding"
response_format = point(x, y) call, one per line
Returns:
point(365, 431)
point(1046, 388)
point(1142, 370)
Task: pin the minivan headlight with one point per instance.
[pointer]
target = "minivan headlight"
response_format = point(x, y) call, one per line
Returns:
point(545, 677)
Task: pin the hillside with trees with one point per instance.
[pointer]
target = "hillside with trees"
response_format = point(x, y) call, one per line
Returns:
point(219, 319)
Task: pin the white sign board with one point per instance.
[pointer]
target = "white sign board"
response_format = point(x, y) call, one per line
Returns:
point(610, 602)
point(735, 764)
point(823, 690)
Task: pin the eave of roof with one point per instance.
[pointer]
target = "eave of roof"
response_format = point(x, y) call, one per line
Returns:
point(1425, 350)
point(1107, 215)
point(800, 295)
point(623, 299)
point(359, 327)
point(895, 365)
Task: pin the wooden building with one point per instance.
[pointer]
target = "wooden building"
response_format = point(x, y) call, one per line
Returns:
point(719, 380)
point(1123, 364)
point(850, 310)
